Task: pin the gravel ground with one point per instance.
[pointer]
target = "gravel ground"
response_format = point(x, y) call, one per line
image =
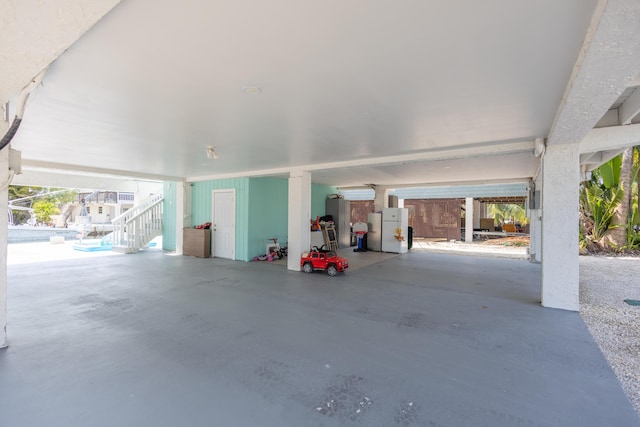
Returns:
point(605, 282)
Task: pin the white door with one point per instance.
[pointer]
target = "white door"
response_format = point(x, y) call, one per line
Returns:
point(224, 224)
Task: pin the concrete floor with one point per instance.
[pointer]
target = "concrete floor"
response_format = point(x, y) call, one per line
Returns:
point(415, 340)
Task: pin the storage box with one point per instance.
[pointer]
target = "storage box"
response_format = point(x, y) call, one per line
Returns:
point(487, 224)
point(196, 242)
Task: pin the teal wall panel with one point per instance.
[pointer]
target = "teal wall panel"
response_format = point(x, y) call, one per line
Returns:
point(201, 204)
point(169, 216)
point(319, 195)
point(268, 211)
point(261, 210)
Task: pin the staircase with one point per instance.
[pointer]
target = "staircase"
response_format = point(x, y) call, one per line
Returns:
point(138, 226)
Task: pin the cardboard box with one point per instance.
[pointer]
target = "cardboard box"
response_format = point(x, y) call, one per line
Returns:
point(196, 242)
point(487, 224)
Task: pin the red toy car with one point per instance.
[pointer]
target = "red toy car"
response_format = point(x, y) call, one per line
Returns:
point(320, 259)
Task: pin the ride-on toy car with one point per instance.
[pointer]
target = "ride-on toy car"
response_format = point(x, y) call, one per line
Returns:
point(321, 259)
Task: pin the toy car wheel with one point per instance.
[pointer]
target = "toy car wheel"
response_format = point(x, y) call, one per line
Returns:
point(332, 270)
point(307, 267)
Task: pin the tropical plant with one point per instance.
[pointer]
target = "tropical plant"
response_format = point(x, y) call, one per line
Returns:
point(508, 212)
point(597, 208)
point(633, 221)
point(609, 216)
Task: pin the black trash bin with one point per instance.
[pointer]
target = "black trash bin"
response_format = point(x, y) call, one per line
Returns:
point(410, 237)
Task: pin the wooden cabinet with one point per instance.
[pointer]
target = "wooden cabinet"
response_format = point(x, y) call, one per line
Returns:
point(196, 242)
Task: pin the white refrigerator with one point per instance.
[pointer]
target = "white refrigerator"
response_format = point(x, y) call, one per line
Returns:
point(395, 226)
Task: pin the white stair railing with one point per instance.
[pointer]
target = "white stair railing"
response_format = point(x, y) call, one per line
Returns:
point(138, 226)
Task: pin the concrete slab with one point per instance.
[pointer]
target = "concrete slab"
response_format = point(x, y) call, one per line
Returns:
point(418, 339)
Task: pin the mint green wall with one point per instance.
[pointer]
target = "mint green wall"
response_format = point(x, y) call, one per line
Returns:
point(201, 197)
point(169, 216)
point(261, 210)
point(268, 212)
point(319, 195)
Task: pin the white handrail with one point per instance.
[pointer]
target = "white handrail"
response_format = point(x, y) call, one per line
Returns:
point(139, 225)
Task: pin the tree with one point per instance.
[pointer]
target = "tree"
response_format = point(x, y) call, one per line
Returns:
point(609, 215)
point(44, 200)
point(616, 235)
point(513, 212)
point(43, 209)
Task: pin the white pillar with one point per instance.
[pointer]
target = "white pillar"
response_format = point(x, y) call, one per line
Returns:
point(560, 193)
point(535, 225)
point(477, 213)
point(535, 235)
point(381, 199)
point(180, 209)
point(299, 216)
point(4, 227)
point(468, 220)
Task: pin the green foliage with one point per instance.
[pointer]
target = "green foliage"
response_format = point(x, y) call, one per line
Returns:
point(44, 200)
point(43, 209)
point(610, 172)
point(599, 198)
point(598, 204)
point(633, 222)
point(512, 212)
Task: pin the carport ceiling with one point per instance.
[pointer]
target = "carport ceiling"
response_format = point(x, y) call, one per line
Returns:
point(154, 83)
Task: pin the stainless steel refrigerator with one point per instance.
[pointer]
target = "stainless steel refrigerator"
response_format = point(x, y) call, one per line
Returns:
point(374, 234)
point(340, 210)
point(395, 227)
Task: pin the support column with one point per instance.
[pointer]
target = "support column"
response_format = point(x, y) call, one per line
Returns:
point(180, 210)
point(535, 225)
point(477, 212)
point(381, 199)
point(560, 193)
point(4, 227)
point(468, 220)
point(299, 216)
point(535, 235)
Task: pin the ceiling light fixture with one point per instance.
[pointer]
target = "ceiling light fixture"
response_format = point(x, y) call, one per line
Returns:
point(211, 152)
point(251, 90)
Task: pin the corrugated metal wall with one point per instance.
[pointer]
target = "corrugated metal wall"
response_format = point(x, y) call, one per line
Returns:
point(435, 218)
point(360, 210)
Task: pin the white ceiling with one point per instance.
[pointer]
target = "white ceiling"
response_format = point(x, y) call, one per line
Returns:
point(153, 83)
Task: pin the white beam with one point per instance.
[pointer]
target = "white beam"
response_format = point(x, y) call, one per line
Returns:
point(463, 152)
point(610, 118)
point(610, 138)
point(81, 170)
point(607, 64)
point(51, 179)
point(590, 158)
point(630, 108)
